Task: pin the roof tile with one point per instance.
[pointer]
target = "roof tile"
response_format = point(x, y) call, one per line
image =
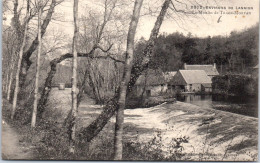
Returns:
point(195, 76)
point(209, 69)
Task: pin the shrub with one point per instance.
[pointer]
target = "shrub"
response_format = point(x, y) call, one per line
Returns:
point(235, 84)
point(155, 149)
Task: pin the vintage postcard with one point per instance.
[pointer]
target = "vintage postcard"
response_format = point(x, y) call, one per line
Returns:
point(139, 80)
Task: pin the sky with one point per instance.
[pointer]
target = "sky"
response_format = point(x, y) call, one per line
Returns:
point(207, 24)
point(200, 25)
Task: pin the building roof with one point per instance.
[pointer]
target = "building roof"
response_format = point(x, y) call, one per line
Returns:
point(195, 76)
point(169, 75)
point(209, 69)
point(151, 77)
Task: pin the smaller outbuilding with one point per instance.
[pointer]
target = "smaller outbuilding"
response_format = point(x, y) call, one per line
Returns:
point(191, 81)
point(150, 83)
point(169, 75)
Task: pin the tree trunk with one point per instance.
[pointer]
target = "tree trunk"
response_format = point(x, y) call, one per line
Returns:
point(82, 87)
point(108, 78)
point(35, 103)
point(95, 87)
point(5, 84)
point(26, 62)
point(118, 144)
point(141, 102)
point(89, 132)
point(19, 62)
point(10, 83)
point(221, 68)
point(96, 84)
point(72, 126)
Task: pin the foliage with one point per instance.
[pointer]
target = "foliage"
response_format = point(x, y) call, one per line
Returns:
point(235, 84)
point(237, 52)
point(191, 54)
point(54, 145)
point(155, 149)
point(167, 52)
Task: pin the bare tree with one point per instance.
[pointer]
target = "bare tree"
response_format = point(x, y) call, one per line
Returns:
point(74, 79)
point(118, 144)
point(89, 132)
point(35, 103)
point(10, 80)
point(17, 77)
point(91, 49)
point(99, 29)
point(18, 25)
point(9, 59)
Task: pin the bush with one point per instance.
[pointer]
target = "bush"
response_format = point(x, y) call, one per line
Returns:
point(235, 84)
point(155, 149)
point(53, 144)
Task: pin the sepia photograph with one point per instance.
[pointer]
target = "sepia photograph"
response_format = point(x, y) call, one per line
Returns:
point(130, 80)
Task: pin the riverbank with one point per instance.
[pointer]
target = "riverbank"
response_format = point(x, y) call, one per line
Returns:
point(214, 135)
point(244, 106)
point(169, 131)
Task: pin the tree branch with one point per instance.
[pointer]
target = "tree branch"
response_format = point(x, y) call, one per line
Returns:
point(53, 65)
point(102, 49)
point(174, 8)
point(16, 21)
point(110, 57)
point(44, 26)
point(89, 132)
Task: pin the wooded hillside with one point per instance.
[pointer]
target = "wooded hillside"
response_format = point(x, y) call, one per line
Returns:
point(235, 53)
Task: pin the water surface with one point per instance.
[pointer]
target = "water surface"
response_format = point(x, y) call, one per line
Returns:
point(240, 105)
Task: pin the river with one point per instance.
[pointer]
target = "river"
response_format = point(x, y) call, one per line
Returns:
point(246, 106)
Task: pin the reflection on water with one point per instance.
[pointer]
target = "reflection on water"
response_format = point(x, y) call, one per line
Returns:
point(240, 105)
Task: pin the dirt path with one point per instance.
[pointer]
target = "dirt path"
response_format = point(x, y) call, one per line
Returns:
point(12, 149)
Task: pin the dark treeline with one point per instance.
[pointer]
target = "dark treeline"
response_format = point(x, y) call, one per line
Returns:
point(235, 85)
point(234, 53)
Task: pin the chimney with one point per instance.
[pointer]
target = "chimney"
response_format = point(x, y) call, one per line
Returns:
point(214, 65)
point(184, 66)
